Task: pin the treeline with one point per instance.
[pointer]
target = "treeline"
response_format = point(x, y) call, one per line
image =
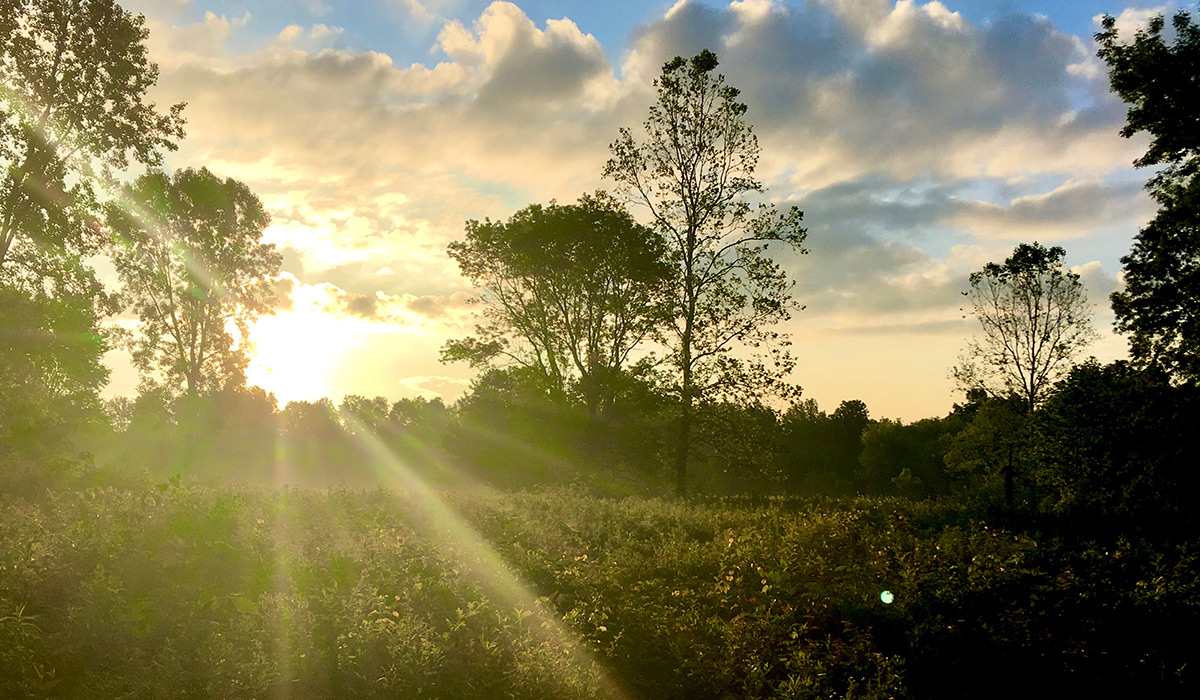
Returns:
point(1104, 446)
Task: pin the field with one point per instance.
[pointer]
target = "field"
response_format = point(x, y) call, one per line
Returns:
point(172, 591)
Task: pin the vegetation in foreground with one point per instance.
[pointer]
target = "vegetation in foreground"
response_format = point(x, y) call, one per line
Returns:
point(181, 592)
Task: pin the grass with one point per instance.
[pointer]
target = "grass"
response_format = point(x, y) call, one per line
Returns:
point(189, 592)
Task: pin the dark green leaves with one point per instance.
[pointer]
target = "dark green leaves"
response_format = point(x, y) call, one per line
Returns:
point(1161, 82)
point(568, 291)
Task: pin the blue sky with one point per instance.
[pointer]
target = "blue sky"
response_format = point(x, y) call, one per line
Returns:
point(922, 139)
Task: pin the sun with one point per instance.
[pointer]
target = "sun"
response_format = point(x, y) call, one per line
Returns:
point(295, 353)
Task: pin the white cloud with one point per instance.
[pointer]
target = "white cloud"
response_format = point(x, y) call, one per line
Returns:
point(1133, 19)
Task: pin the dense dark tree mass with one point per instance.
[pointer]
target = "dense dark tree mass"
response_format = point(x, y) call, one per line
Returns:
point(197, 540)
point(569, 293)
point(1160, 306)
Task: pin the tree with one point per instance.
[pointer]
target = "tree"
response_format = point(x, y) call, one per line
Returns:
point(73, 81)
point(1035, 319)
point(568, 291)
point(190, 256)
point(1112, 451)
point(694, 172)
point(1159, 306)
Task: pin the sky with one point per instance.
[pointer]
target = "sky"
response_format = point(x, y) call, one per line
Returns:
point(921, 139)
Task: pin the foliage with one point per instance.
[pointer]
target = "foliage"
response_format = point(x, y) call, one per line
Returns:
point(819, 453)
point(985, 457)
point(1035, 319)
point(192, 263)
point(732, 448)
point(50, 373)
point(569, 291)
point(694, 172)
point(907, 460)
point(73, 81)
point(1111, 450)
point(1161, 83)
point(372, 595)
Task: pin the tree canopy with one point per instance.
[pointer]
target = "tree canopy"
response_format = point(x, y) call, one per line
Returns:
point(196, 272)
point(568, 291)
point(74, 75)
point(1034, 319)
point(1160, 306)
point(693, 171)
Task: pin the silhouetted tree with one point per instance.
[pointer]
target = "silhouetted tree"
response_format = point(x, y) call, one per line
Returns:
point(190, 256)
point(1159, 306)
point(1035, 319)
point(73, 81)
point(694, 172)
point(1113, 448)
point(568, 291)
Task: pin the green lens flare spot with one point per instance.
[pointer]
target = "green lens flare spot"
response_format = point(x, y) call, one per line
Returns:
point(886, 597)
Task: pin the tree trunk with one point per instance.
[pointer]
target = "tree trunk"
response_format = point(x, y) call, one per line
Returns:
point(685, 418)
point(682, 447)
point(1008, 479)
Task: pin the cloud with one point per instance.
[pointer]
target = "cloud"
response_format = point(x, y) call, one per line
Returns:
point(1133, 19)
point(285, 288)
point(361, 305)
point(920, 145)
point(1073, 210)
point(436, 386)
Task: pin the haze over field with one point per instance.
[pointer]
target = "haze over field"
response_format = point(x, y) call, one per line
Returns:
point(920, 139)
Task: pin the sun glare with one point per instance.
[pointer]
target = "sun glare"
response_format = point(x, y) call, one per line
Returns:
point(295, 353)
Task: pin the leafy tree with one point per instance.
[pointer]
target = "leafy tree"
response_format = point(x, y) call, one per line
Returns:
point(362, 416)
point(73, 81)
point(1035, 319)
point(694, 172)
point(568, 291)
point(1161, 82)
point(192, 263)
point(1111, 448)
